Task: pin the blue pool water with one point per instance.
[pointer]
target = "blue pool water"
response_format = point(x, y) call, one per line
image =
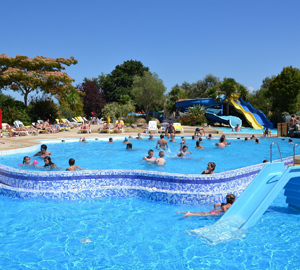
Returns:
point(95, 155)
point(132, 233)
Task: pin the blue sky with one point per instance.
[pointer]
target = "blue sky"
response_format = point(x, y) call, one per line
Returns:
point(179, 40)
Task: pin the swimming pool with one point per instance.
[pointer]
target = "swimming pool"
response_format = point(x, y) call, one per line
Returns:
point(134, 233)
point(247, 130)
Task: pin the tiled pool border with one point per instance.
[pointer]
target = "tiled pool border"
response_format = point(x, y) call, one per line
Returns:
point(158, 186)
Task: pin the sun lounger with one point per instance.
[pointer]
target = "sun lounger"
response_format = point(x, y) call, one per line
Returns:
point(178, 127)
point(152, 126)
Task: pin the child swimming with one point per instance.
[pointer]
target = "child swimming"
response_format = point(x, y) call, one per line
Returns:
point(230, 198)
point(73, 167)
point(26, 161)
point(161, 161)
point(48, 162)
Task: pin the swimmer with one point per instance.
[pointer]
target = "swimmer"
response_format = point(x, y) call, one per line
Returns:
point(237, 128)
point(110, 140)
point(161, 161)
point(126, 140)
point(138, 137)
point(150, 156)
point(265, 161)
point(246, 139)
point(26, 161)
point(230, 198)
point(73, 167)
point(210, 137)
point(43, 152)
point(184, 151)
point(198, 146)
point(83, 139)
point(129, 146)
point(210, 168)
point(48, 162)
point(291, 141)
point(253, 137)
point(162, 143)
point(226, 143)
point(151, 138)
point(221, 143)
point(257, 141)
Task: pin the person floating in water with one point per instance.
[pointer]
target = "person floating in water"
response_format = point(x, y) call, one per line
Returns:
point(230, 198)
point(138, 137)
point(126, 140)
point(150, 156)
point(73, 167)
point(162, 143)
point(48, 162)
point(210, 168)
point(43, 152)
point(161, 161)
point(26, 161)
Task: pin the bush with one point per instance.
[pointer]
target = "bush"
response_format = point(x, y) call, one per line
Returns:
point(193, 120)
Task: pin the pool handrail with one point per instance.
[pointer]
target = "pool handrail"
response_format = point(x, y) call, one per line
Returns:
point(294, 153)
point(278, 151)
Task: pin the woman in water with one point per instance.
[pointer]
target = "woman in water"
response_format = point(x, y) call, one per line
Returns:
point(48, 162)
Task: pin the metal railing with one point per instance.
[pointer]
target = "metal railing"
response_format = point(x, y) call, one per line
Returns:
point(278, 151)
point(294, 153)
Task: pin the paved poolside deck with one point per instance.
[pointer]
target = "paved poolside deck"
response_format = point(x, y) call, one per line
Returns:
point(27, 141)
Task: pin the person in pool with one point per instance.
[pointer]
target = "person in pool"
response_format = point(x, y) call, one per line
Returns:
point(151, 138)
point(210, 137)
point(73, 167)
point(253, 137)
point(198, 145)
point(161, 161)
point(237, 128)
point(230, 199)
point(126, 141)
point(184, 151)
point(110, 140)
point(291, 141)
point(83, 139)
point(257, 141)
point(173, 138)
point(150, 156)
point(26, 161)
point(210, 168)
point(221, 143)
point(129, 146)
point(43, 152)
point(138, 137)
point(162, 143)
point(48, 162)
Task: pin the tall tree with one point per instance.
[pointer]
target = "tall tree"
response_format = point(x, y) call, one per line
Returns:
point(284, 90)
point(266, 82)
point(119, 81)
point(149, 91)
point(93, 98)
point(40, 73)
point(228, 88)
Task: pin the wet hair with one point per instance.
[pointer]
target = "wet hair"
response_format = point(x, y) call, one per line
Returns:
point(209, 135)
point(197, 143)
point(193, 137)
point(50, 162)
point(222, 139)
point(265, 161)
point(25, 159)
point(110, 139)
point(129, 146)
point(246, 139)
point(257, 140)
point(230, 198)
point(71, 161)
point(162, 136)
point(150, 151)
point(212, 164)
point(44, 146)
point(185, 147)
point(161, 153)
point(290, 140)
point(200, 139)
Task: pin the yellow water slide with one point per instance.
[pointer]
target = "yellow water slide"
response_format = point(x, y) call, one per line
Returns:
point(248, 115)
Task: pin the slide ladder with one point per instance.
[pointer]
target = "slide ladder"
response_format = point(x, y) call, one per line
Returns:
point(254, 201)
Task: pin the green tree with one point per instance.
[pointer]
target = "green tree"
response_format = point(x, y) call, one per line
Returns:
point(149, 91)
point(119, 81)
point(266, 82)
point(25, 75)
point(284, 91)
point(259, 100)
point(228, 88)
point(174, 95)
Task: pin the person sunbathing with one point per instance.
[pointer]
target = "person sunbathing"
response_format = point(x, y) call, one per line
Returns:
point(119, 125)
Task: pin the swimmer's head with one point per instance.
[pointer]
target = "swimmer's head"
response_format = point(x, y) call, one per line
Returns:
point(211, 165)
point(209, 135)
point(197, 143)
point(71, 161)
point(150, 152)
point(200, 139)
point(265, 161)
point(246, 139)
point(43, 147)
point(257, 140)
point(26, 159)
point(126, 139)
point(129, 146)
point(222, 139)
point(290, 140)
point(230, 198)
point(110, 139)
point(184, 148)
point(162, 136)
point(193, 137)
point(161, 154)
point(47, 161)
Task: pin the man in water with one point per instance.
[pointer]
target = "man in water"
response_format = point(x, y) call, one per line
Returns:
point(170, 130)
point(150, 156)
point(162, 143)
point(43, 152)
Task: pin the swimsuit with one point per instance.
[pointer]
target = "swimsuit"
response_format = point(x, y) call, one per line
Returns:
point(214, 212)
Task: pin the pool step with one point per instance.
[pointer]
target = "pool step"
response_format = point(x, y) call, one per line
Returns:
point(292, 192)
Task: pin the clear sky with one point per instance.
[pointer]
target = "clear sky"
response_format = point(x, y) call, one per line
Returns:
point(179, 40)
